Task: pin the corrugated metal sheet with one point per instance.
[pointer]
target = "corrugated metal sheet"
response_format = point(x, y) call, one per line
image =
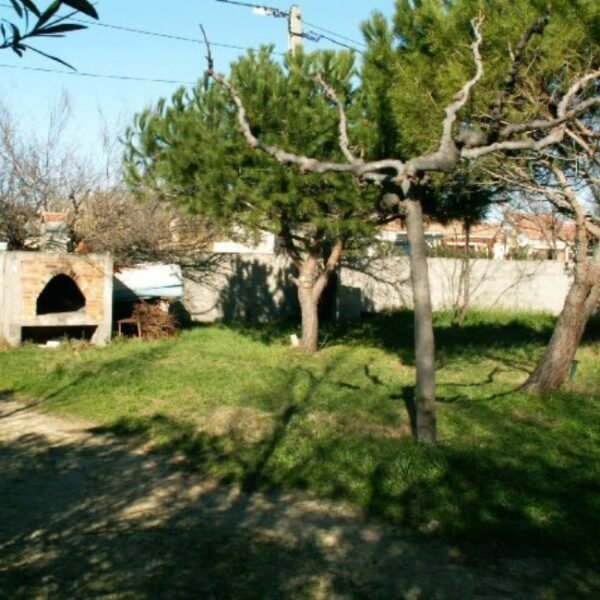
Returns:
point(146, 281)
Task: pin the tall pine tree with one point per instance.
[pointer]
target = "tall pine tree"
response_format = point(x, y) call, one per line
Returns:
point(190, 151)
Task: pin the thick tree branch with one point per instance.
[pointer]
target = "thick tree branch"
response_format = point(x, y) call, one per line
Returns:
point(575, 88)
point(557, 126)
point(592, 228)
point(344, 140)
point(330, 266)
point(544, 124)
point(443, 160)
point(365, 171)
point(448, 155)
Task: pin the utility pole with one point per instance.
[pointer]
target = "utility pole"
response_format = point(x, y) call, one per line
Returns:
point(295, 29)
point(295, 24)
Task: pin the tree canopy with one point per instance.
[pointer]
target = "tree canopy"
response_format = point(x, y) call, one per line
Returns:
point(414, 66)
point(427, 104)
point(190, 152)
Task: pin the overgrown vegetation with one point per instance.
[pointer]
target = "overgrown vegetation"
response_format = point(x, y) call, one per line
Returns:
point(512, 472)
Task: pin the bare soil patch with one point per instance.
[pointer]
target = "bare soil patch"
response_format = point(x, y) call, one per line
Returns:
point(86, 516)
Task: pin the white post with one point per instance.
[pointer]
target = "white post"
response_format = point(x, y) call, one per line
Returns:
point(295, 29)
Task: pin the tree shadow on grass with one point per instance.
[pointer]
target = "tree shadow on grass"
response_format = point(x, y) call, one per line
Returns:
point(519, 487)
point(509, 500)
point(90, 517)
point(272, 332)
point(395, 332)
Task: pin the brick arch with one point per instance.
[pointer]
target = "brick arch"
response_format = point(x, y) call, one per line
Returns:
point(52, 271)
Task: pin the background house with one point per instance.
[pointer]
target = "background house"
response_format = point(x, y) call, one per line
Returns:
point(518, 236)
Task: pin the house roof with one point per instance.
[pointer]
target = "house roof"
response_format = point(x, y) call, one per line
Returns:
point(54, 217)
point(535, 227)
point(452, 230)
point(541, 227)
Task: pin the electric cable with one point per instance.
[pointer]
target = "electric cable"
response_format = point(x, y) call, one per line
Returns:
point(338, 35)
point(96, 75)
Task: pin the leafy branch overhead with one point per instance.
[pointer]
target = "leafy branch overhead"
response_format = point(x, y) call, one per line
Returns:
point(38, 23)
point(510, 137)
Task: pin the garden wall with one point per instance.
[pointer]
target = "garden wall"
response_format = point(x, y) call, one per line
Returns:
point(252, 287)
point(379, 284)
point(257, 287)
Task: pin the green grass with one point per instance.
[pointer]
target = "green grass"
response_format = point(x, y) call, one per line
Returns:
point(512, 472)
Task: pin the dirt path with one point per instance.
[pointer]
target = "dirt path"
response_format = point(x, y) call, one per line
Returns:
point(85, 516)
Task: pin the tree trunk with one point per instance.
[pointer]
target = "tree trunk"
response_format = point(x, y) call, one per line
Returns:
point(424, 340)
point(310, 319)
point(580, 304)
point(308, 306)
point(465, 280)
point(553, 369)
point(311, 285)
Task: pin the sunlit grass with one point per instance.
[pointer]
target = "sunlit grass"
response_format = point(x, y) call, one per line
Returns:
point(511, 470)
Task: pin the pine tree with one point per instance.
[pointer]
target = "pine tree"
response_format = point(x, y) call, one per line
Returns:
point(191, 152)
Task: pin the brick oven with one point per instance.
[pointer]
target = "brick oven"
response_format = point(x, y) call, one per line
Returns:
point(46, 296)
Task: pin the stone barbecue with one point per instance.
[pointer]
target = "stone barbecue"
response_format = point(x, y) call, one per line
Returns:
point(46, 296)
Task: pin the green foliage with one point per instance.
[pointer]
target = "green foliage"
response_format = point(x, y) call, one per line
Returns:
point(47, 23)
point(512, 472)
point(462, 196)
point(414, 68)
point(190, 149)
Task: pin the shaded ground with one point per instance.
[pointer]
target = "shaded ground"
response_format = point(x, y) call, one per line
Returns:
point(85, 516)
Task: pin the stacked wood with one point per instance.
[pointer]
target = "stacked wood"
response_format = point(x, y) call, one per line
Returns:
point(155, 321)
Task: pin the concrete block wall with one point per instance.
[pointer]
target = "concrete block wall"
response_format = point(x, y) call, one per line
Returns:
point(257, 287)
point(252, 287)
point(383, 284)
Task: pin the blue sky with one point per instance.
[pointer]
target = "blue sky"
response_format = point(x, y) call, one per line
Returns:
point(102, 50)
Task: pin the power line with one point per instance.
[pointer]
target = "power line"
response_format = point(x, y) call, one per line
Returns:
point(158, 34)
point(168, 36)
point(338, 35)
point(96, 75)
point(310, 35)
point(268, 10)
point(313, 36)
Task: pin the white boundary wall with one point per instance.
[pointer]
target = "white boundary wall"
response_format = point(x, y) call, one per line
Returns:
point(258, 287)
point(380, 284)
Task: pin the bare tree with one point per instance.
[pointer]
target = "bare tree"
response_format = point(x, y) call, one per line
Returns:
point(49, 172)
point(113, 220)
point(44, 172)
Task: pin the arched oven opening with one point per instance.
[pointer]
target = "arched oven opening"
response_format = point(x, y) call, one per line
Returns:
point(60, 295)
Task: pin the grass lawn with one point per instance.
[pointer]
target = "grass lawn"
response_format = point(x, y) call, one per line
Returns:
point(513, 474)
